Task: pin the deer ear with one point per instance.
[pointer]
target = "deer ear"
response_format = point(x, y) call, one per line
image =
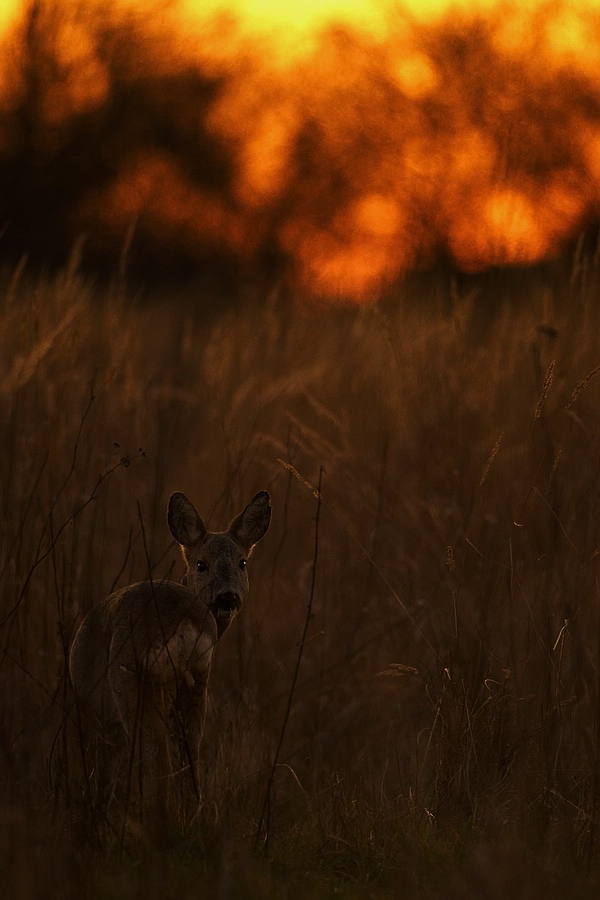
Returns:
point(184, 522)
point(251, 524)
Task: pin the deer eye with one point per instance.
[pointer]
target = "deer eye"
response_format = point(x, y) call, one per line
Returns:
point(242, 563)
point(201, 566)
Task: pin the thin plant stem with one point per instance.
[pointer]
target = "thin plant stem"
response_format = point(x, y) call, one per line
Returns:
point(265, 820)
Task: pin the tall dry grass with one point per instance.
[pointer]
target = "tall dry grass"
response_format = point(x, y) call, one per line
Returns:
point(409, 704)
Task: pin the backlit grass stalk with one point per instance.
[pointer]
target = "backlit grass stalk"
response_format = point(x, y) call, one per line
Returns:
point(266, 814)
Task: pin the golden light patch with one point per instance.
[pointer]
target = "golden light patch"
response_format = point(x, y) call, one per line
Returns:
point(352, 137)
point(415, 75)
point(512, 227)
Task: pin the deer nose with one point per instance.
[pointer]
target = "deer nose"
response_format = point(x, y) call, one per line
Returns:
point(227, 603)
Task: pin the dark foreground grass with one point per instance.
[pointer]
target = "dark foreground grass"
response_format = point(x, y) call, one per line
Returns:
point(437, 731)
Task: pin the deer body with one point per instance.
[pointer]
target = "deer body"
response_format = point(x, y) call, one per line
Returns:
point(140, 661)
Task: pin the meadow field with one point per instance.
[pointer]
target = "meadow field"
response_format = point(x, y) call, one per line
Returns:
point(409, 704)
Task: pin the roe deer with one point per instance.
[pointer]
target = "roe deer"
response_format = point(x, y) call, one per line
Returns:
point(141, 658)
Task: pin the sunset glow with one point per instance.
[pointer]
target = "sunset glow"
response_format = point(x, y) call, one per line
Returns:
point(356, 137)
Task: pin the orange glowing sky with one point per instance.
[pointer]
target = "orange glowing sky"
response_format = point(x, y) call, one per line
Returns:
point(469, 124)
